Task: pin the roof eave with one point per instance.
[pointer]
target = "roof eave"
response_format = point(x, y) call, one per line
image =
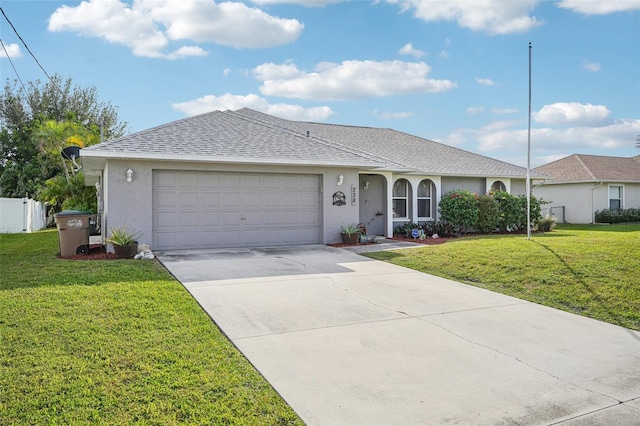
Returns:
point(109, 155)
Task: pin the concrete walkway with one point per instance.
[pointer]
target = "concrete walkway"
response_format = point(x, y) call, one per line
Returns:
point(351, 341)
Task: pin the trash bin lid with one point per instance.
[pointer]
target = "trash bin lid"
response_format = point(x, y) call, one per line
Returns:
point(71, 213)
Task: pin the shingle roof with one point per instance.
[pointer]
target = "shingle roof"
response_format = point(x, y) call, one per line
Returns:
point(251, 136)
point(412, 152)
point(593, 168)
point(218, 136)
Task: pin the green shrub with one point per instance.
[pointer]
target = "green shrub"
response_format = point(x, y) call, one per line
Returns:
point(546, 224)
point(617, 216)
point(442, 229)
point(405, 229)
point(459, 207)
point(488, 214)
point(513, 215)
point(513, 211)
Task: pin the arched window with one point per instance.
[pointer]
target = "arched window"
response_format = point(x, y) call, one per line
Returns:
point(400, 199)
point(498, 186)
point(426, 192)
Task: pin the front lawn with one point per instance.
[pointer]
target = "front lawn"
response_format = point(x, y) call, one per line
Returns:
point(115, 342)
point(591, 270)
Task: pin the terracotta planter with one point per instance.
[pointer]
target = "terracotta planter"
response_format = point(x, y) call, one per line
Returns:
point(126, 252)
point(350, 238)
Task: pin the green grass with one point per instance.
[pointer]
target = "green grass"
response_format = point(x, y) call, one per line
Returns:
point(115, 342)
point(591, 270)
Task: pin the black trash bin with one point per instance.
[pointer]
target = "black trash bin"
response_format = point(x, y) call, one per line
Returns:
point(73, 232)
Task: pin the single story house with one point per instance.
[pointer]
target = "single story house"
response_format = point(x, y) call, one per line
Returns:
point(580, 185)
point(244, 178)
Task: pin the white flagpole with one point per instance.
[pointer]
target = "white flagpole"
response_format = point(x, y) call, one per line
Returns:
point(529, 155)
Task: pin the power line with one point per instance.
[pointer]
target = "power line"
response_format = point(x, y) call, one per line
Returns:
point(12, 66)
point(29, 50)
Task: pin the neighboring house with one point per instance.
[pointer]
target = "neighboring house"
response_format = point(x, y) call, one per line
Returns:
point(244, 178)
point(580, 185)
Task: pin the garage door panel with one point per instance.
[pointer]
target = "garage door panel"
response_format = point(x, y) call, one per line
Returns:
point(231, 218)
point(210, 180)
point(309, 218)
point(165, 199)
point(188, 199)
point(188, 180)
point(231, 181)
point(231, 199)
point(272, 218)
point(165, 239)
point(210, 199)
point(166, 219)
point(251, 199)
point(209, 219)
point(220, 209)
point(165, 180)
point(188, 219)
point(271, 182)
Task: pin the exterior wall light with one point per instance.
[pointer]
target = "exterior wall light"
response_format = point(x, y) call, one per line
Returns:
point(340, 180)
point(129, 175)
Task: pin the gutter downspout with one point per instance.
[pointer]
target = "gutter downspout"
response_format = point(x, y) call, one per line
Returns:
point(593, 214)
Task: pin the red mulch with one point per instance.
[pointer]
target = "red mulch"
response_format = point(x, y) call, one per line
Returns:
point(96, 252)
point(427, 241)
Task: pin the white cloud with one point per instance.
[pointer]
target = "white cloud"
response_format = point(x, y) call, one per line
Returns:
point(148, 27)
point(186, 51)
point(308, 3)
point(485, 81)
point(234, 102)
point(591, 66)
point(492, 16)
point(616, 135)
point(572, 113)
point(388, 115)
point(443, 54)
point(349, 80)
point(12, 49)
point(599, 7)
point(475, 110)
point(408, 49)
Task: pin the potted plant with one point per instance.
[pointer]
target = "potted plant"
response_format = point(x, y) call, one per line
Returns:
point(125, 243)
point(350, 234)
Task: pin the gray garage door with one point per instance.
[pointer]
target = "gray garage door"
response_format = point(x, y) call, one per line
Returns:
point(212, 210)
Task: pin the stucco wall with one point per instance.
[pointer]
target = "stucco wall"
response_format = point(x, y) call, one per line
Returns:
point(632, 195)
point(576, 199)
point(518, 187)
point(131, 203)
point(472, 184)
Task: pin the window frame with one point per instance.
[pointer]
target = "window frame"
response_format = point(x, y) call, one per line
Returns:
point(429, 198)
point(404, 198)
point(503, 186)
point(621, 195)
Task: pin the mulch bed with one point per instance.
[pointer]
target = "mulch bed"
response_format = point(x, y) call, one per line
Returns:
point(426, 241)
point(96, 252)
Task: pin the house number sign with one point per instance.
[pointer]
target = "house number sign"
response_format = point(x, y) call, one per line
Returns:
point(353, 195)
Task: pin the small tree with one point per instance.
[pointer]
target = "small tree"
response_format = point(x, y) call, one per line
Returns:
point(459, 207)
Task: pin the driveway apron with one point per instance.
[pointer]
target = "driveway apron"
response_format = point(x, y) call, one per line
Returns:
point(347, 340)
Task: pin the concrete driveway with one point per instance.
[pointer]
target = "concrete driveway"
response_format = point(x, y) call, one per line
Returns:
point(351, 341)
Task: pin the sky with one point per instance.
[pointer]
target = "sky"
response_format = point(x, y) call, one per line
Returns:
point(453, 71)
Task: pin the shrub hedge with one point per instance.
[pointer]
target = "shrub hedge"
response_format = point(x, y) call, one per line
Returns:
point(618, 216)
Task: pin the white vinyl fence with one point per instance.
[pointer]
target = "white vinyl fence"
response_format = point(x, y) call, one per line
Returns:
point(21, 215)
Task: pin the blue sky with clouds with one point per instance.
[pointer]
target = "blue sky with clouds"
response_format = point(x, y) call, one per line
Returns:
point(451, 71)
